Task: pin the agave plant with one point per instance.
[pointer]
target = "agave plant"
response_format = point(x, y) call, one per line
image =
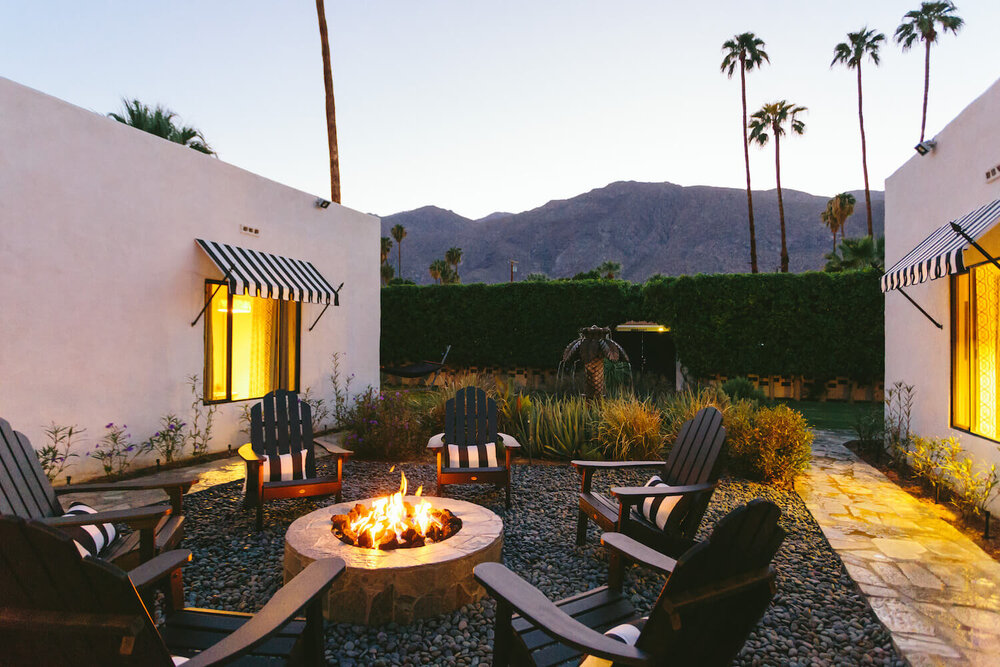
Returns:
point(592, 347)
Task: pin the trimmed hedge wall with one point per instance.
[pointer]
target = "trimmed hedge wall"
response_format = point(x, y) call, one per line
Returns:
point(818, 325)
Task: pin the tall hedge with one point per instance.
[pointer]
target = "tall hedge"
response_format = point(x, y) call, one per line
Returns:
point(507, 324)
point(818, 325)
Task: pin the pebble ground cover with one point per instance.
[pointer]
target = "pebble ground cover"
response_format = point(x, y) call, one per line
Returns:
point(818, 617)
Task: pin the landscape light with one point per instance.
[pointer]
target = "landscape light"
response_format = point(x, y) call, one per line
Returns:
point(925, 147)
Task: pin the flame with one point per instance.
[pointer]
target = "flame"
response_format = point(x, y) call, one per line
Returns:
point(391, 516)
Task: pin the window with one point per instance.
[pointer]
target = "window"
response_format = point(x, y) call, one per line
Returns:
point(975, 331)
point(251, 345)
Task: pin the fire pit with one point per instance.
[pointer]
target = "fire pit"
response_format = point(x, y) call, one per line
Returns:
point(399, 583)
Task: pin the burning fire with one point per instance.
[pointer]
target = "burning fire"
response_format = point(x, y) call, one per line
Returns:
point(392, 522)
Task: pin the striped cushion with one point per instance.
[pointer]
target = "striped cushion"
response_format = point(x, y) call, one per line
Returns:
point(472, 456)
point(627, 633)
point(290, 466)
point(657, 510)
point(89, 540)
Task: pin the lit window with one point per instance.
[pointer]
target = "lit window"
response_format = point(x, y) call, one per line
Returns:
point(251, 345)
point(975, 350)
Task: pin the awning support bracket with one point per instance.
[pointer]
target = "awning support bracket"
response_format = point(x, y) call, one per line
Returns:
point(958, 230)
point(917, 306)
point(225, 281)
point(336, 302)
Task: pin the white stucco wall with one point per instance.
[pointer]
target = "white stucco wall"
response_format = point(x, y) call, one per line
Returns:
point(100, 275)
point(920, 196)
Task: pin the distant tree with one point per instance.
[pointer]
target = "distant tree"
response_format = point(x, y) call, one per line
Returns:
point(609, 269)
point(771, 119)
point(856, 254)
point(400, 281)
point(859, 44)
point(745, 51)
point(160, 121)
point(922, 25)
point(449, 276)
point(593, 274)
point(536, 278)
point(386, 247)
point(830, 220)
point(387, 273)
point(838, 209)
point(331, 107)
point(453, 256)
point(399, 233)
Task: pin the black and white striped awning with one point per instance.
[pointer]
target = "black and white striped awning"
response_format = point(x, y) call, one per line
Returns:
point(941, 253)
point(271, 276)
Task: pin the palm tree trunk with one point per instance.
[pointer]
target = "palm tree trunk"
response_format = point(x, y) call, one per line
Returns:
point(864, 155)
point(595, 378)
point(927, 85)
point(399, 258)
point(331, 107)
point(746, 161)
point(781, 204)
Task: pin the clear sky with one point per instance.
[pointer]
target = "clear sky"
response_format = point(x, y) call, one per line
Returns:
point(480, 106)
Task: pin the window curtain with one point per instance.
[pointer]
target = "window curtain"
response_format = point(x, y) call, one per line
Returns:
point(986, 296)
point(263, 369)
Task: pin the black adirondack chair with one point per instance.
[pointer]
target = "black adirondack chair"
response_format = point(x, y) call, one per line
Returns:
point(471, 451)
point(690, 473)
point(714, 596)
point(57, 608)
point(26, 492)
point(281, 432)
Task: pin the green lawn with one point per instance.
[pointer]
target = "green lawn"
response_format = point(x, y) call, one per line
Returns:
point(831, 414)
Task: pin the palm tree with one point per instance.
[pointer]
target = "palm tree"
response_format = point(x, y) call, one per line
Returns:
point(771, 119)
point(331, 107)
point(453, 256)
point(449, 276)
point(387, 273)
point(856, 254)
point(592, 347)
point(160, 121)
point(830, 220)
point(609, 269)
point(438, 268)
point(922, 24)
point(399, 233)
point(838, 210)
point(746, 51)
point(859, 44)
point(386, 247)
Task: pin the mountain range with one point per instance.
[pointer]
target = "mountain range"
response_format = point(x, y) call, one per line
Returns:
point(647, 227)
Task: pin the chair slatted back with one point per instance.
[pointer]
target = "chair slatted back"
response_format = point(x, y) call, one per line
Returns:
point(282, 424)
point(718, 591)
point(470, 418)
point(61, 609)
point(25, 491)
point(694, 460)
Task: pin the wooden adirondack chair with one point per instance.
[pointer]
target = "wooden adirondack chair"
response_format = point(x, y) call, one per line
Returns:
point(57, 608)
point(714, 596)
point(689, 475)
point(469, 441)
point(26, 492)
point(281, 436)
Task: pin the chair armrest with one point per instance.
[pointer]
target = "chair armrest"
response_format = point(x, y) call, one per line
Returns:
point(283, 606)
point(184, 483)
point(632, 495)
point(332, 448)
point(436, 441)
point(152, 571)
point(138, 519)
point(247, 453)
point(613, 465)
point(509, 441)
point(528, 601)
point(637, 552)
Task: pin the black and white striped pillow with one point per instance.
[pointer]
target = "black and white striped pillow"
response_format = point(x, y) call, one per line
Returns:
point(472, 456)
point(89, 540)
point(657, 510)
point(290, 466)
point(627, 633)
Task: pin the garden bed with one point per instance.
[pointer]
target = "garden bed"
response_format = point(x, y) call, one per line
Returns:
point(818, 615)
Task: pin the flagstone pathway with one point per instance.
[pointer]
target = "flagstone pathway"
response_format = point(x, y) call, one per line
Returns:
point(935, 589)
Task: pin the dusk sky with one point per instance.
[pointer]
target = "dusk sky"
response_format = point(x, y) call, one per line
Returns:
point(502, 106)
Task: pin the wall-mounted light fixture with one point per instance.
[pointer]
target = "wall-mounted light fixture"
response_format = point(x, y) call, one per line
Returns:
point(925, 147)
point(322, 203)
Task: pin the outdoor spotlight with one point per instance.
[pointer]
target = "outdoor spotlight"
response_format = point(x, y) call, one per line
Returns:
point(322, 203)
point(925, 147)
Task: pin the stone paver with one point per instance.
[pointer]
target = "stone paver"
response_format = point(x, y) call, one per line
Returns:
point(934, 589)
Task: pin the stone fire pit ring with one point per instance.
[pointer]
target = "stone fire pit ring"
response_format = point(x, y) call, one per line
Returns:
point(400, 585)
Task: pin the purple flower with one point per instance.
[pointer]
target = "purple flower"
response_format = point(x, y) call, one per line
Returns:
point(130, 448)
point(109, 425)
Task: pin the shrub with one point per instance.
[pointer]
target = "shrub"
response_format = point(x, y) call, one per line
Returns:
point(384, 425)
point(561, 428)
point(684, 405)
point(741, 388)
point(169, 440)
point(770, 444)
point(115, 450)
point(55, 456)
point(628, 428)
point(870, 428)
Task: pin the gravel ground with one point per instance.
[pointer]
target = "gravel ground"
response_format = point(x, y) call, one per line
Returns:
point(818, 617)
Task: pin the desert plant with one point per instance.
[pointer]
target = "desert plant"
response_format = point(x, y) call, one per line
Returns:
point(115, 450)
point(928, 459)
point(199, 432)
point(593, 347)
point(684, 405)
point(341, 391)
point(55, 456)
point(560, 428)
point(741, 388)
point(973, 489)
point(870, 428)
point(771, 445)
point(384, 425)
point(898, 404)
point(628, 428)
point(168, 442)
